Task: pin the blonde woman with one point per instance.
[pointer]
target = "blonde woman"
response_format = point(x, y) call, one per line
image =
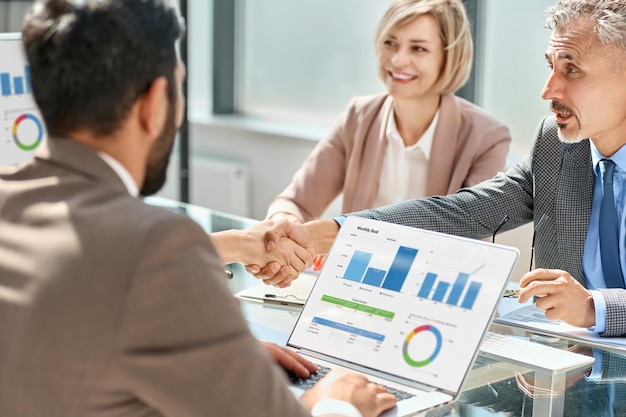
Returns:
point(418, 139)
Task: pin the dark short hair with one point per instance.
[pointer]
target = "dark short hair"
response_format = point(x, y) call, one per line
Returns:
point(91, 60)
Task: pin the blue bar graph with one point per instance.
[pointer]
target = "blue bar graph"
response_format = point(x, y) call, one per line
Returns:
point(427, 285)
point(457, 288)
point(27, 78)
point(399, 268)
point(374, 277)
point(440, 291)
point(358, 269)
point(458, 294)
point(470, 297)
point(21, 83)
point(18, 85)
point(358, 264)
point(5, 83)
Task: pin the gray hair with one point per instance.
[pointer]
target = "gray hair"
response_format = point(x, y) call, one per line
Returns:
point(609, 17)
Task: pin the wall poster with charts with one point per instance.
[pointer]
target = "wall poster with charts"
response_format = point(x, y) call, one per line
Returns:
point(21, 126)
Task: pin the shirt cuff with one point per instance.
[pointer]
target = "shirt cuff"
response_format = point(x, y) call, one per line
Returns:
point(600, 306)
point(337, 407)
point(340, 220)
point(596, 370)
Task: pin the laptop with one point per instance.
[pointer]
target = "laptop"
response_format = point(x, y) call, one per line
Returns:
point(405, 306)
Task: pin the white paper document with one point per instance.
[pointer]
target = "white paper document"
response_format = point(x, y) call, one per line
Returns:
point(533, 318)
point(293, 296)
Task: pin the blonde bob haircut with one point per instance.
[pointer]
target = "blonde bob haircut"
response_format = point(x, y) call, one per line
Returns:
point(454, 30)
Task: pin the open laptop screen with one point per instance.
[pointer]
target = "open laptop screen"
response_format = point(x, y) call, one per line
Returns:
point(409, 302)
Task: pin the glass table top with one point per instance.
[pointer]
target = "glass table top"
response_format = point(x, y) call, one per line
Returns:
point(494, 387)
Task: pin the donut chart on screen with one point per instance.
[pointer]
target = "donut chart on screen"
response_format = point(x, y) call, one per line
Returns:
point(30, 144)
point(419, 362)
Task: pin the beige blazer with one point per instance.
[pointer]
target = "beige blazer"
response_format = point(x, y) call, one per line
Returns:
point(110, 307)
point(469, 146)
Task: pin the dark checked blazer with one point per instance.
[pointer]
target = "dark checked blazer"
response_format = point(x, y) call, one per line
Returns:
point(555, 180)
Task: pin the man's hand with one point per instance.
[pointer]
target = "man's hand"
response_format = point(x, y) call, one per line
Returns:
point(271, 273)
point(369, 398)
point(294, 231)
point(289, 359)
point(560, 296)
point(316, 236)
point(286, 260)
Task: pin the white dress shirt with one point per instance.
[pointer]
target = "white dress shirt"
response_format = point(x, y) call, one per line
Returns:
point(404, 171)
point(121, 172)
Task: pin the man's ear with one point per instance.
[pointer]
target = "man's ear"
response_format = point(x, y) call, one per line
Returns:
point(153, 107)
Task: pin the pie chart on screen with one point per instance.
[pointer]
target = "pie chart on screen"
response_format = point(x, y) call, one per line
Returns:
point(422, 346)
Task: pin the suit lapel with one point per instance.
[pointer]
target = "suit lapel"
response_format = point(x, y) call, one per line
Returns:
point(573, 199)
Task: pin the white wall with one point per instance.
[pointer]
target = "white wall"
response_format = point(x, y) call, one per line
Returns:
point(513, 69)
point(12, 14)
point(272, 157)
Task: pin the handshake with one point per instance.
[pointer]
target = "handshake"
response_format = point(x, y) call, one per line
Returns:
point(276, 252)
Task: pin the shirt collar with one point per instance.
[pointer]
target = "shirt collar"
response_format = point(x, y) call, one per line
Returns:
point(424, 143)
point(122, 173)
point(618, 157)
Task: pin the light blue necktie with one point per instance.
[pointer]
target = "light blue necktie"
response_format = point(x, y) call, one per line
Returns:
point(609, 246)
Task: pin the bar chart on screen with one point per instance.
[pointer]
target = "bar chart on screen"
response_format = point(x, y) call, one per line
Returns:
point(393, 278)
point(424, 270)
point(461, 293)
point(21, 127)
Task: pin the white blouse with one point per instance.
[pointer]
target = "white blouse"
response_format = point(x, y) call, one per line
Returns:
point(405, 168)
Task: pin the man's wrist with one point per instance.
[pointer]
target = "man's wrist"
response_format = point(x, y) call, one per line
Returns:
point(322, 234)
point(340, 220)
point(599, 305)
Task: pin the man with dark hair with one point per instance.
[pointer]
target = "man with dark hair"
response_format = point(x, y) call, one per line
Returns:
point(108, 306)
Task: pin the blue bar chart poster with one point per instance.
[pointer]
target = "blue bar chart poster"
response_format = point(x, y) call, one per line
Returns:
point(21, 127)
point(415, 300)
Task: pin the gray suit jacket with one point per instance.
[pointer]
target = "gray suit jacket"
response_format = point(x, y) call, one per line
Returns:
point(110, 307)
point(555, 180)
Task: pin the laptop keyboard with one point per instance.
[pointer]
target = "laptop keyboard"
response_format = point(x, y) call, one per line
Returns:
point(306, 383)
